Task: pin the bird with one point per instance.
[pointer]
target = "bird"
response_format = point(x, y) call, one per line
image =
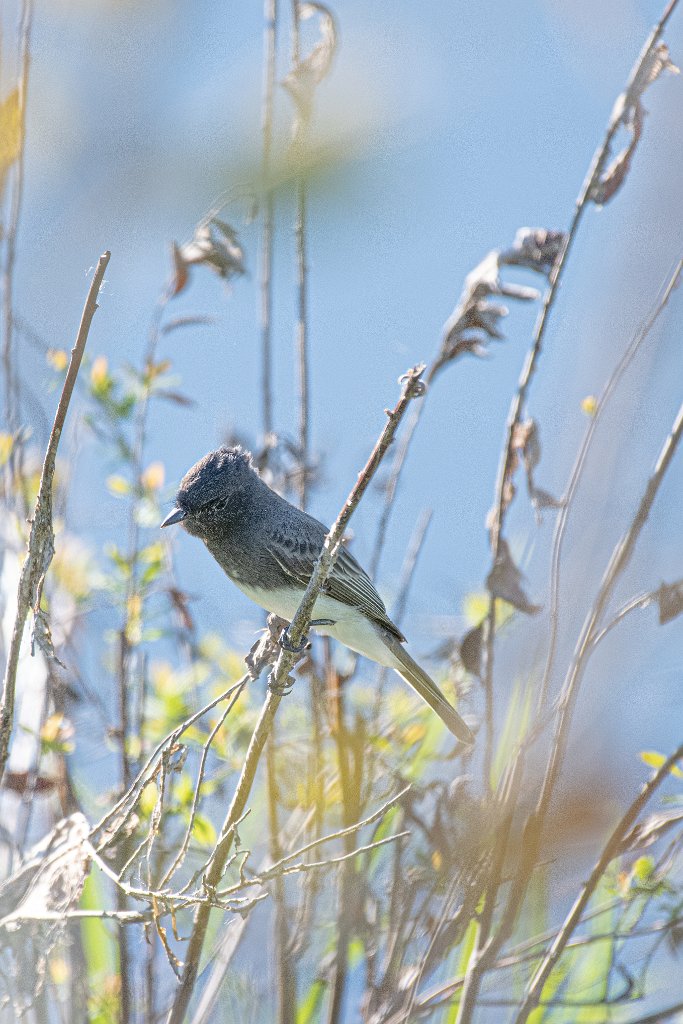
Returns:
point(268, 548)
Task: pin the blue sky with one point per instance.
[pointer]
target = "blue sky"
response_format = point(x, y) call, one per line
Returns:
point(463, 122)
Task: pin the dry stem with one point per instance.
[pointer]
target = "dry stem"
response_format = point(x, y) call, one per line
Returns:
point(40, 547)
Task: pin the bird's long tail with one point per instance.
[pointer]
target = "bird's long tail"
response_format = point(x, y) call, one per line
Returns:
point(427, 689)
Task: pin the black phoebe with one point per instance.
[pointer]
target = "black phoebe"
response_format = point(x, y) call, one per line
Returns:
point(268, 547)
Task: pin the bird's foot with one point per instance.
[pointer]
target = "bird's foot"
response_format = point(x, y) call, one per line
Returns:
point(283, 689)
point(287, 645)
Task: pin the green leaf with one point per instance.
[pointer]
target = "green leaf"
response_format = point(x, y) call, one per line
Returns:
point(99, 948)
point(307, 1011)
point(203, 831)
point(10, 131)
point(118, 485)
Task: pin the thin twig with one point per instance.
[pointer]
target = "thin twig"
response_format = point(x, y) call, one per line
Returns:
point(119, 813)
point(442, 995)
point(302, 289)
point(286, 972)
point(533, 831)
point(534, 827)
point(121, 917)
point(577, 472)
point(12, 398)
point(268, 199)
point(519, 401)
point(40, 546)
point(279, 679)
point(341, 834)
point(659, 1016)
point(641, 601)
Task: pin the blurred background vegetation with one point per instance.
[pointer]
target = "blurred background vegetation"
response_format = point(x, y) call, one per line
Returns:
point(309, 215)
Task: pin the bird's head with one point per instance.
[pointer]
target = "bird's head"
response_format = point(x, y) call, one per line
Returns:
point(209, 489)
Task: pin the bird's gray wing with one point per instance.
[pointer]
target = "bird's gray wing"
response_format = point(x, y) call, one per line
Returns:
point(297, 549)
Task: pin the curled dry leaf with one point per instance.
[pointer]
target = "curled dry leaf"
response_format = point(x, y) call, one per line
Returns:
point(541, 499)
point(505, 582)
point(476, 318)
point(670, 601)
point(525, 439)
point(266, 649)
point(613, 177)
point(526, 445)
point(629, 114)
point(648, 832)
point(308, 73)
point(535, 248)
point(215, 245)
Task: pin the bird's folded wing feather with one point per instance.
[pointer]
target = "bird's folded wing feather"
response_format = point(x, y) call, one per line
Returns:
point(297, 552)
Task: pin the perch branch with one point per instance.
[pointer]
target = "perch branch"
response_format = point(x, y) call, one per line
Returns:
point(412, 388)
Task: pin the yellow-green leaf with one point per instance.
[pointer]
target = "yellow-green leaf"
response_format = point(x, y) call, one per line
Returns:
point(118, 485)
point(57, 358)
point(10, 131)
point(655, 760)
point(203, 831)
point(6, 445)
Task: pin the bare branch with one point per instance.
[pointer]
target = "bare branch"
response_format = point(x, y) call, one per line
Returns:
point(40, 548)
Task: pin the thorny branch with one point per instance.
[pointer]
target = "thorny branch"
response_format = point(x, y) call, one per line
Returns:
point(40, 548)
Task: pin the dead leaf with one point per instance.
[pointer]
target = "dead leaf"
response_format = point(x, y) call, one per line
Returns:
point(648, 832)
point(308, 73)
point(197, 320)
point(214, 244)
point(476, 318)
point(471, 649)
point(670, 601)
point(505, 582)
point(629, 113)
point(535, 248)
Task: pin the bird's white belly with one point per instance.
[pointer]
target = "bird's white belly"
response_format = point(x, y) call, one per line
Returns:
point(350, 626)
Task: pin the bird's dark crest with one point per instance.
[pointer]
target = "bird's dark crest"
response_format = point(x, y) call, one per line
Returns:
point(219, 473)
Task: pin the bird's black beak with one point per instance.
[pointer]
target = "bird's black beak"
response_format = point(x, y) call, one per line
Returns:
point(176, 515)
